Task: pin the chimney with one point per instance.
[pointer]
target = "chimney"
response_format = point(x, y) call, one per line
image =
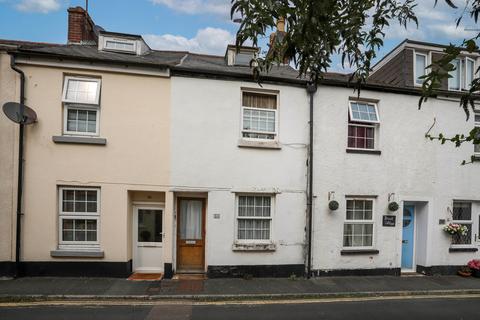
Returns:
point(80, 27)
point(276, 39)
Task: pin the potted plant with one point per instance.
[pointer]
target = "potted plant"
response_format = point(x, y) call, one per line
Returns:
point(455, 229)
point(465, 271)
point(393, 206)
point(333, 205)
point(474, 265)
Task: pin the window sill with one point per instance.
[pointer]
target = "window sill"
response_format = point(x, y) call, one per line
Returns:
point(351, 252)
point(476, 158)
point(80, 140)
point(464, 249)
point(259, 144)
point(364, 151)
point(254, 246)
point(77, 254)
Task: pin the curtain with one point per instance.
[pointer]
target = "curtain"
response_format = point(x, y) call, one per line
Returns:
point(191, 219)
point(258, 100)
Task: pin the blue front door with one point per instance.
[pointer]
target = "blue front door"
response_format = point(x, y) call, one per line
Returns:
point(408, 237)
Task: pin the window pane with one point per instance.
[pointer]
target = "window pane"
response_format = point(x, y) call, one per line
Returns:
point(420, 65)
point(454, 81)
point(259, 100)
point(149, 225)
point(359, 210)
point(250, 229)
point(462, 211)
point(82, 91)
point(358, 235)
point(361, 137)
point(67, 235)
point(363, 112)
point(469, 73)
point(463, 239)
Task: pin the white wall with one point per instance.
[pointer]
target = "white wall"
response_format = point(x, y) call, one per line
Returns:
point(205, 129)
point(410, 166)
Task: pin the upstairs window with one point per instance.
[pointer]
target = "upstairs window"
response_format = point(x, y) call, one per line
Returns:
point(363, 118)
point(462, 214)
point(477, 125)
point(462, 75)
point(81, 98)
point(122, 45)
point(243, 58)
point(81, 90)
point(259, 115)
point(420, 67)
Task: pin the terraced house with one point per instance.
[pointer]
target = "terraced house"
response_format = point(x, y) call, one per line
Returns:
point(173, 162)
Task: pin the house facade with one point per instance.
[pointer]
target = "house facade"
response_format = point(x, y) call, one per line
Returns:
point(173, 162)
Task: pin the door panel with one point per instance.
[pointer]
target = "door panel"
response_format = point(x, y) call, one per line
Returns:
point(408, 237)
point(191, 235)
point(147, 240)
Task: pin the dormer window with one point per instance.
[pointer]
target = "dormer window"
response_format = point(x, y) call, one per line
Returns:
point(120, 45)
point(462, 75)
point(420, 67)
point(241, 56)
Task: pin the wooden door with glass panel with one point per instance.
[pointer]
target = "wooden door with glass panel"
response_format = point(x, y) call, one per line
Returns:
point(190, 235)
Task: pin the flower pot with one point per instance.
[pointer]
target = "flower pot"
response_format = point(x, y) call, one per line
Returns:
point(464, 273)
point(476, 273)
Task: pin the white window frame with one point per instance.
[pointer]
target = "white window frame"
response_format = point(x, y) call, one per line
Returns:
point(74, 216)
point(460, 76)
point(350, 102)
point(476, 125)
point(466, 84)
point(119, 40)
point(81, 107)
point(464, 222)
point(271, 218)
point(65, 86)
point(372, 222)
point(415, 76)
point(274, 133)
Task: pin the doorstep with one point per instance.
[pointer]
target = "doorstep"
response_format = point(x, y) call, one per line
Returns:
point(145, 276)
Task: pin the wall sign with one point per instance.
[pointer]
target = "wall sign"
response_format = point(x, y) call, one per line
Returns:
point(389, 221)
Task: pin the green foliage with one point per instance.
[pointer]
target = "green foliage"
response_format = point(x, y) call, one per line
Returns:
point(316, 30)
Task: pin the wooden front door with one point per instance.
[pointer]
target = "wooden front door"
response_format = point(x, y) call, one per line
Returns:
point(190, 235)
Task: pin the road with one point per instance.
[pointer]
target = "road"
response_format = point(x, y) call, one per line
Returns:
point(435, 308)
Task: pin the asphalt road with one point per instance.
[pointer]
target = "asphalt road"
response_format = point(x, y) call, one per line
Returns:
point(437, 309)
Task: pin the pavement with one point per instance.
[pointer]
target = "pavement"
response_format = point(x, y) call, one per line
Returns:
point(49, 288)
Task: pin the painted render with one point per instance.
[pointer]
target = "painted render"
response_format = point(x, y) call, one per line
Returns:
point(206, 157)
point(415, 169)
point(9, 91)
point(132, 166)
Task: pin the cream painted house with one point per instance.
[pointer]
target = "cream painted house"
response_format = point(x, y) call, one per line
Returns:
point(174, 162)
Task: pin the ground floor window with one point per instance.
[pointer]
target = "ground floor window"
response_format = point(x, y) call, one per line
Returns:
point(79, 216)
point(462, 214)
point(254, 217)
point(358, 226)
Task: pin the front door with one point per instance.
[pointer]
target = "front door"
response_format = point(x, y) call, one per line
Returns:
point(147, 239)
point(408, 237)
point(191, 235)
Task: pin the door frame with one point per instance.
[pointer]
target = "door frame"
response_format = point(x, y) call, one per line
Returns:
point(177, 229)
point(414, 216)
point(148, 206)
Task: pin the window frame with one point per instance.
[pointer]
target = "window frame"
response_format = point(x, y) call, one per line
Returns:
point(460, 75)
point(119, 40)
point(77, 78)
point(415, 76)
point(243, 108)
point(466, 84)
point(353, 222)
point(464, 222)
point(350, 102)
point(67, 107)
point(62, 244)
point(271, 218)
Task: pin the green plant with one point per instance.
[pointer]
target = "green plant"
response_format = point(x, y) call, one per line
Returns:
point(393, 206)
point(333, 205)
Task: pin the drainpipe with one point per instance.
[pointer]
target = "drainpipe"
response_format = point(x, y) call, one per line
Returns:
point(20, 166)
point(311, 89)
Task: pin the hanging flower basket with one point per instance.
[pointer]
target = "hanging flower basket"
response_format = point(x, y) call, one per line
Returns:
point(455, 229)
point(393, 206)
point(333, 205)
point(474, 265)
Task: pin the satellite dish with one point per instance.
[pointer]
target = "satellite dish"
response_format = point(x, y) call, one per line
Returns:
point(14, 110)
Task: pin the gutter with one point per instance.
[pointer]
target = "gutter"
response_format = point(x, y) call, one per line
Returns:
point(311, 89)
point(20, 167)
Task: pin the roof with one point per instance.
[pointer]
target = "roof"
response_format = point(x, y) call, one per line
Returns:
point(6, 44)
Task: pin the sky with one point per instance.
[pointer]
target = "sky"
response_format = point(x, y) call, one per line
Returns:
point(202, 26)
